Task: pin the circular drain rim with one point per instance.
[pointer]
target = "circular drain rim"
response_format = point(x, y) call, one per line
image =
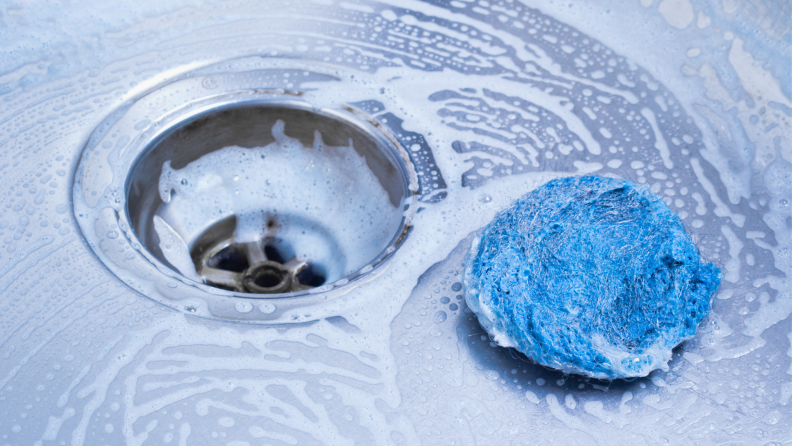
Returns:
point(99, 195)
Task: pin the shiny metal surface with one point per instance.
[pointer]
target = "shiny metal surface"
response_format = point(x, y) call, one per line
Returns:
point(103, 343)
point(291, 227)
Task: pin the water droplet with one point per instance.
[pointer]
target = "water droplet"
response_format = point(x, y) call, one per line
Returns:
point(243, 307)
point(439, 317)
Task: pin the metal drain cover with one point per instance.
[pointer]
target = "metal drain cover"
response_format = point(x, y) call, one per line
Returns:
point(256, 267)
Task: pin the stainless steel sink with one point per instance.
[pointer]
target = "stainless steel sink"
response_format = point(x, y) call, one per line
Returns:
point(138, 309)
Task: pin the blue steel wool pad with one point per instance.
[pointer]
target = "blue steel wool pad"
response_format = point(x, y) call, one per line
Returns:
point(589, 275)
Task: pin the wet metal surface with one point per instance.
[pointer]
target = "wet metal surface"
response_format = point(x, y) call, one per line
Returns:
point(104, 343)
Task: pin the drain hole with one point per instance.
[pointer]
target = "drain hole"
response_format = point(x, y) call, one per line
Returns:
point(311, 276)
point(269, 199)
point(229, 259)
point(273, 254)
point(268, 277)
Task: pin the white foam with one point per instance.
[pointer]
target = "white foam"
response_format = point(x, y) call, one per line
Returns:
point(735, 247)
point(660, 143)
point(678, 13)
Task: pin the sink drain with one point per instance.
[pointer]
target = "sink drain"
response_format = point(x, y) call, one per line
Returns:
point(246, 194)
point(267, 198)
point(265, 266)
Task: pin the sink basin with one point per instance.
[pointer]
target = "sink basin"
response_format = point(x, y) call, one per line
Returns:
point(429, 118)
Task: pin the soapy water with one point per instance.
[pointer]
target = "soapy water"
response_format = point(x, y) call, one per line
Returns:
point(325, 201)
point(85, 359)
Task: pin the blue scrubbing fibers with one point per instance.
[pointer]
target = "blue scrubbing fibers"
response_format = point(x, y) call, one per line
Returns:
point(589, 275)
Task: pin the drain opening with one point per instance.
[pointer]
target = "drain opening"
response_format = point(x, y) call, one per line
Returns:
point(255, 267)
point(269, 276)
point(229, 259)
point(269, 198)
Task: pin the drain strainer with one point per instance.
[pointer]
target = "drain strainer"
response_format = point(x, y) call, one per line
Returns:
point(247, 194)
point(256, 266)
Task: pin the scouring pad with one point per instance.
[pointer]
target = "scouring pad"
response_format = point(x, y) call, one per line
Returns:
point(589, 275)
